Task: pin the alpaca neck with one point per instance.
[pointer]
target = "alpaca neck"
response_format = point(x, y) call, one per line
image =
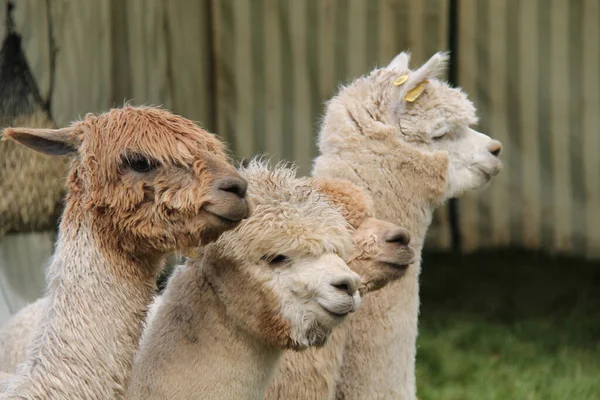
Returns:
point(98, 296)
point(405, 186)
point(193, 350)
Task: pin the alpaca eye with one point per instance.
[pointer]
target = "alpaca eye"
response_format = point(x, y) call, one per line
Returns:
point(139, 163)
point(439, 137)
point(277, 259)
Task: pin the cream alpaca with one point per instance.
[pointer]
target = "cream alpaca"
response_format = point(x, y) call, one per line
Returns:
point(143, 182)
point(411, 156)
point(276, 282)
point(381, 255)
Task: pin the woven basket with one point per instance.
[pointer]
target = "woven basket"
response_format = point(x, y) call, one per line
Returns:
point(32, 185)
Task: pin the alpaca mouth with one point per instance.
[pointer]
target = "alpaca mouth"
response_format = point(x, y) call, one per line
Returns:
point(400, 266)
point(228, 217)
point(336, 314)
point(488, 174)
point(338, 311)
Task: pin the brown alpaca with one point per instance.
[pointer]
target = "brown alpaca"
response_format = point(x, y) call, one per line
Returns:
point(276, 282)
point(143, 183)
point(381, 255)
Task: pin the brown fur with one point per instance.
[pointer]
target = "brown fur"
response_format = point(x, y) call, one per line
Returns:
point(116, 227)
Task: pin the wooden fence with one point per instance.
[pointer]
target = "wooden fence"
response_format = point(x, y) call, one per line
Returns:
point(258, 72)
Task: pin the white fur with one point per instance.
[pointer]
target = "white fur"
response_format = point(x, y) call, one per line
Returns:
point(411, 157)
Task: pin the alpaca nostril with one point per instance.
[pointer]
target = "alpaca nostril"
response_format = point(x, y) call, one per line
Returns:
point(346, 285)
point(399, 236)
point(235, 185)
point(495, 148)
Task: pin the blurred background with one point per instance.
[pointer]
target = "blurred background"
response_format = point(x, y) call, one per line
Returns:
point(511, 275)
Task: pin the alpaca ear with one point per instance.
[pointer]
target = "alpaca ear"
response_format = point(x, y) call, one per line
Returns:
point(54, 142)
point(435, 67)
point(400, 62)
point(417, 80)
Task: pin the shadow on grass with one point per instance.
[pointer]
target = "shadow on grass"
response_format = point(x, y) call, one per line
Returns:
point(509, 325)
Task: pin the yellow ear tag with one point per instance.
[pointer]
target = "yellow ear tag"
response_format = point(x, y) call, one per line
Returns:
point(400, 80)
point(414, 94)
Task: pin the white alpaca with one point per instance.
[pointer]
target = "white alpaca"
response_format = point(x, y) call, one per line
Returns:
point(381, 255)
point(17, 334)
point(276, 282)
point(143, 183)
point(404, 136)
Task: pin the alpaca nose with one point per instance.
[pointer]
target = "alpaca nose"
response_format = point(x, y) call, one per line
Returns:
point(495, 148)
point(399, 236)
point(348, 284)
point(235, 185)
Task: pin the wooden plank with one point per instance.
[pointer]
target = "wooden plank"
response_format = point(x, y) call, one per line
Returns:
point(83, 63)
point(219, 99)
point(357, 43)
point(188, 41)
point(148, 53)
point(497, 84)
point(387, 41)
point(591, 124)
point(443, 9)
point(243, 73)
point(559, 126)
point(528, 56)
point(417, 31)
point(467, 76)
point(302, 128)
point(121, 68)
point(327, 81)
point(274, 81)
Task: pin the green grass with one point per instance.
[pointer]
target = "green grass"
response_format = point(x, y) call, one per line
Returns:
point(509, 325)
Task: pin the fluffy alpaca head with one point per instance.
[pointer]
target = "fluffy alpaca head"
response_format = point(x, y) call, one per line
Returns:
point(150, 180)
point(408, 110)
point(281, 273)
point(381, 249)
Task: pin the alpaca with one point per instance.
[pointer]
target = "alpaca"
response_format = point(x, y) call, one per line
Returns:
point(18, 333)
point(278, 281)
point(143, 183)
point(403, 135)
point(381, 255)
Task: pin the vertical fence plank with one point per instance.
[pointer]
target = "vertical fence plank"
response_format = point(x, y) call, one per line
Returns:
point(528, 66)
point(559, 128)
point(591, 124)
point(417, 31)
point(303, 130)
point(357, 17)
point(83, 63)
point(497, 84)
point(467, 79)
point(243, 74)
point(387, 40)
point(188, 41)
point(274, 81)
point(148, 53)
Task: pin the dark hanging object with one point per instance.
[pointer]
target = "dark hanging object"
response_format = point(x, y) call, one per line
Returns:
point(31, 184)
point(19, 94)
